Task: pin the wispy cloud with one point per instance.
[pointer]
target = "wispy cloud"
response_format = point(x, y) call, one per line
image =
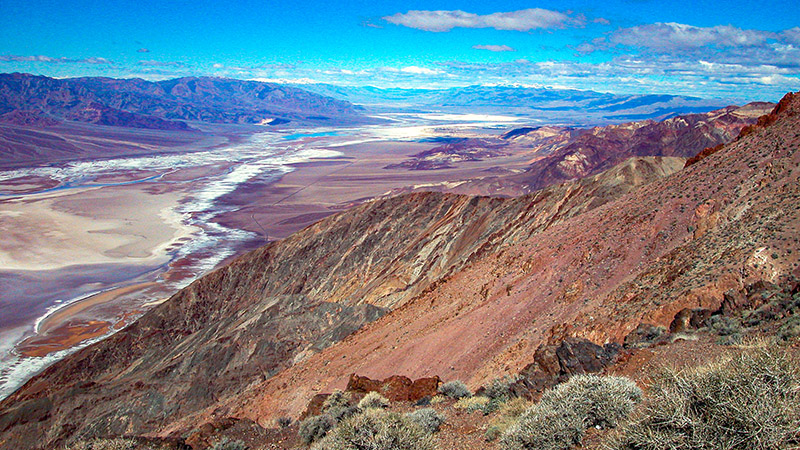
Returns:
point(421, 70)
point(494, 48)
point(50, 59)
point(162, 63)
point(522, 20)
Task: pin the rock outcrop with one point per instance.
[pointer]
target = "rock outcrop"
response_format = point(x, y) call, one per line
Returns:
point(553, 364)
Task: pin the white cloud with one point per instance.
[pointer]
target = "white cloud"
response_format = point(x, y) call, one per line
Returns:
point(522, 20)
point(152, 63)
point(421, 70)
point(676, 36)
point(50, 59)
point(792, 35)
point(494, 48)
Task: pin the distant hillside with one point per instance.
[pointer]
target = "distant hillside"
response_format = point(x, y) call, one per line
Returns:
point(562, 106)
point(164, 104)
point(560, 154)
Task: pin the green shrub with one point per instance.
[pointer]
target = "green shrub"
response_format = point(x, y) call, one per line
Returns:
point(226, 444)
point(560, 418)
point(373, 400)
point(315, 427)
point(751, 401)
point(376, 429)
point(455, 389)
point(427, 418)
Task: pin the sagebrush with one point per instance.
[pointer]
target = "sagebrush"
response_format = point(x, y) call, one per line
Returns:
point(563, 414)
point(376, 429)
point(749, 401)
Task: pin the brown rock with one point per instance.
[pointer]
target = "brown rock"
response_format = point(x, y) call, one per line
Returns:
point(689, 319)
point(396, 387)
point(556, 363)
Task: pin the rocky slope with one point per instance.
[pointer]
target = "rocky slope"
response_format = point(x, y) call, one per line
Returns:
point(475, 286)
point(723, 223)
point(559, 154)
point(236, 325)
point(166, 104)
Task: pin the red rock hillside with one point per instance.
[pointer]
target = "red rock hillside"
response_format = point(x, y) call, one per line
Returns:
point(436, 285)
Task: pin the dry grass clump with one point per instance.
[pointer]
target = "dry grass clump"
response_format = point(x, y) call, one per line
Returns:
point(750, 401)
point(560, 419)
point(373, 400)
point(315, 428)
point(427, 418)
point(376, 429)
point(455, 389)
point(477, 403)
point(508, 414)
point(227, 444)
point(103, 444)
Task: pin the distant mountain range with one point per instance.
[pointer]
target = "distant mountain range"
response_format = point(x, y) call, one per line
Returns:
point(39, 101)
point(562, 106)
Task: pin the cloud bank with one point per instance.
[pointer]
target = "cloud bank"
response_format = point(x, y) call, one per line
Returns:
point(522, 20)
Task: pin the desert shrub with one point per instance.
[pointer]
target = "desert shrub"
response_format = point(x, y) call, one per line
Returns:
point(315, 427)
point(477, 403)
point(729, 329)
point(337, 399)
point(560, 418)
point(500, 388)
point(226, 444)
point(376, 429)
point(455, 389)
point(339, 413)
point(427, 418)
point(437, 399)
point(790, 329)
point(750, 401)
point(103, 444)
point(509, 413)
point(373, 400)
point(284, 422)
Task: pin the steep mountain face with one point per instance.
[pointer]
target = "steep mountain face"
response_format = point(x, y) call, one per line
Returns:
point(723, 223)
point(164, 104)
point(286, 302)
point(475, 286)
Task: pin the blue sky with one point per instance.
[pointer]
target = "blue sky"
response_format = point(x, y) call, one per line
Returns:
point(736, 49)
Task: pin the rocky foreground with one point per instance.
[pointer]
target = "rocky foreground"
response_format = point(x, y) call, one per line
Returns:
point(448, 286)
